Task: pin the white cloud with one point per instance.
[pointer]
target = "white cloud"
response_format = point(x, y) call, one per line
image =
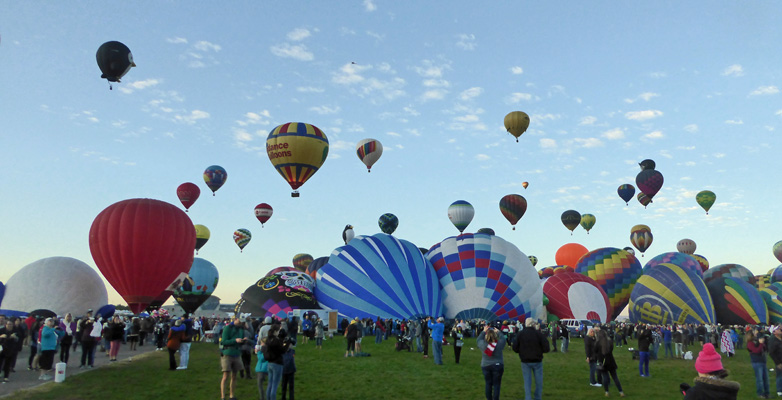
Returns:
point(646, 96)
point(297, 52)
point(323, 110)
point(206, 46)
point(467, 118)
point(176, 40)
point(130, 87)
point(517, 97)
point(394, 134)
point(436, 83)
point(466, 41)
point(430, 70)
point(352, 76)
point(470, 93)
point(482, 157)
point(734, 122)
point(309, 89)
point(588, 142)
point(718, 155)
point(516, 70)
point(588, 120)
point(547, 143)
point(779, 112)
point(298, 34)
point(654, 135)
point(192, 118)
point(243, 136)
point(614, 134)
point(692, 128)
point(733, 70)
point(370, 5)
point(762, 90)
point(658, 75)
point(341, 145)
point(643, 115)
point(436, 94)
point(411, 111)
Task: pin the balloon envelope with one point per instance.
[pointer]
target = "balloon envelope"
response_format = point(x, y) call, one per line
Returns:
point(705, 199)
point(569, 254)
point(686, 246)
point(533, 260)
point(647, 164)
point(388, 223)
point(615, 270)
point(702, 260)
point(301, 261)
point(649, 182)
point(626, 192)
point(140, 246)
point(297, 150)
point(516, 123)
point(263, 212)
point(242, 238)
point(725, 270)
point(202, 283)
point(641, 237)
point(778, 250)
point(644, 199)
point(202, 236)
point(576, 296)
point(369, 151)
point(215, 176)
point(682, 260)
point(114, 60)
point(315, 265)
point(513, 207)
point(188, 193)
point(461, 213)
point(671, 295)
point(736, 302)
point(771, 296)
point(588, 221)
point(270, 296)
point(571, 219)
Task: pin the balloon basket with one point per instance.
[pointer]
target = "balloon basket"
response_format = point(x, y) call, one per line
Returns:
point(294, 194)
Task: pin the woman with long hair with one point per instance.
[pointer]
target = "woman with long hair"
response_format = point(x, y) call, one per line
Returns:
point(276, 345)
point(606, 362)
point(491, 343)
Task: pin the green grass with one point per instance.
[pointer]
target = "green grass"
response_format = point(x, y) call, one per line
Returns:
point(387, 374)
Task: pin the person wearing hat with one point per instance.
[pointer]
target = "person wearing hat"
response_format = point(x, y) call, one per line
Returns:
point(437, 339)
point(351, 334)
point(710, 383)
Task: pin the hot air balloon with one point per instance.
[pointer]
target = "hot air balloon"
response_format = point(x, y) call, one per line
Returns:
point(561, 269)
point(533, 260)
point(460, 213)
point(513, 207)
point(736, 302)
point(615, 270)
point(272, 296)
point(678, 259)
point(643, 199)
point(279, 270)
point(775, 275)
point(647, 164)
point(188, 194)
point(114, 60)
point(571, 219)
point(524, 184)
point(671, 295)
point(516, 123)
point(301, 261)
point(629, 250)
point(296, 280)
point(242, 237)
point(762, 281)
point(140, 246)
point(263, 212)
point(705, 199)
point(778, 250)
point(167, 292)
point(729, 270)
point(369, 151)
point(546, 272)
point(702, 260)
point(588, 221)
point(487, 231)
point(626, 192)
point(649, 182)
point(315, 265)
point(771, 296)
point(297, 150)
point(641, 237)
point(486, 277)
point(576, 296)
point(379, 276)
point(686, 246)
point(388, 223)
point(193, 292)
point(215, 176)
point(569, 254)
point(202, 236)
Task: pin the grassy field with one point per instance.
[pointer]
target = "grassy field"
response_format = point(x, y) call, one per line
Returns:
point(386, 374)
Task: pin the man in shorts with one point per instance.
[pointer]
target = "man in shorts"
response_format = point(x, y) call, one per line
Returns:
point(230, 361)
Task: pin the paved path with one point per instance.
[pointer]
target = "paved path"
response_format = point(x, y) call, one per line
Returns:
point(25, 379)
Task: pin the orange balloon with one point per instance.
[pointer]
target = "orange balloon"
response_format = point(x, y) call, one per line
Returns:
point(569, 254)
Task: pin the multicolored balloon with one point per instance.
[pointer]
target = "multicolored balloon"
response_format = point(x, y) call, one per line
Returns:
point(263, 212)
point(705, 199)
point(379, 276)
point(215, 176)
point(513, 207)
point(294, 280)
point(271, 296)
point(301, 261)
point(729, 270)
point(388, 223)
point(297, 151)
point(202, 236)
point(279, 270)
point(762, 281)
point(615, 270)
point(533, 260)
point(686, 246)
point(487, 231)
point(771, 296)
point(188, 193)
point(242, 237)
point(778, 250)
point(486, 277)
point(736, 302)
point(569, 254)
point(546, 272)
point(588, 221)
point(571, 219)
point(671, 295)
point(649, 182)
point(676, 258)
point(201, 283)
point(643, 199)
point(775, 275)
point(702, 260)
point(516, 123)
point(461, 213)
point(315, 265)
point(626, 192)
point(641, 237)
point(369, 151)
point(577, 296)
point(524, 184)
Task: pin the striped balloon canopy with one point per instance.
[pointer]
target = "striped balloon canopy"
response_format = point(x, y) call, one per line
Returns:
point(615, 270)
point(297, 151)
point(736, 302)
point(771, 296)
point(670, 294)
point(685, 261)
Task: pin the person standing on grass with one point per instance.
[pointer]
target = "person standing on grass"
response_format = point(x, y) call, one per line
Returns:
point(116, 332)
point(726, 342)
point(184, 345)
point(437, 339)
point(605, 358)
point(667, 340)
point(379, 329)
point(87, 342)
point(232, 339)
point(49, 338)
point(9, 342)
point(319, 334)
point(564, 334)
point(247, 350)
point(678, 339)
point(67, 325)
point(531, 344)
point(710, 383)
point(757, 355)
point(491, 343)
point(261, 368)
point(288, 371)
point(351, 334)
point(276, 346)
point(775, 352)
point(644, 341)
point(457, 333)
point(175, 335)
point(590, 349)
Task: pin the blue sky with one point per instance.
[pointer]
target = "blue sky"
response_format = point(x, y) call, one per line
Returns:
point(694, 86)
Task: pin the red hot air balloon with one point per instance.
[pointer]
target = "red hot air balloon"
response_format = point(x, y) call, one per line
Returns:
point(188, 194)
point(649, 182)
point(141, 246)
point(263, 212)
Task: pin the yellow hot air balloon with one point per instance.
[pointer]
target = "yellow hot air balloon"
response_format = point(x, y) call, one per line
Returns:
point(202, 236)
point(297, 150)
point(516, 123)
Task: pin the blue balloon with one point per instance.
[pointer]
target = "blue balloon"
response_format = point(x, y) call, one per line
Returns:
point(670, 294)
point(626, 192)
point(683, 260)
point(201, 282)
point(379, 276)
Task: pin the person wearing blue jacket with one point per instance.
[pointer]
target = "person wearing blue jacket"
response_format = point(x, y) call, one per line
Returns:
point(288, 370)
point(49, 338)
point(437, 339)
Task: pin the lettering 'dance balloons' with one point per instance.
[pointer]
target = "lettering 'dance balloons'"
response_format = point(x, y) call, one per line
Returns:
point(626, 192)
point(369, 151)
point(588, 221)
point(188, 194)
point(516, 123)
point(705, 199)
point(388, 223)
point(571, 219)
point(215, 176)
point(460, 213)
point(297, 151)
point(201, 283)
point(649, 182)
point(114, 60)
point(242, 237)
point(671, 295)
point(202, 236)
point(140, 246)
point(263, 212)
point(615, 270)
point(513, 207)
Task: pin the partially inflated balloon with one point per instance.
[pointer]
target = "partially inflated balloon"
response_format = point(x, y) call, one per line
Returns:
point(702, 260)
point(202, 283)
point(732, 270)
point(263, 212)
point(297, 150)
point(188, 194)
point(641, 237)
point(671, 295)
point(569, 254)
point(533, 260)
point(571, 219)
point(615, 270)
point(315, 265)
point(202, 236)
point(736, 302)
point(775, 275)
point(676, 258)
point(369, 151)
point(279, 270)
point(275, 296)
point(643, 199)
point(114, 60)
point(588, 221)
point(215, 177)
point(487, 231)
point(140, 246)
point(576, 296)
point(242, 237)
point(388, 223)
point(705, 199)
point(460, 213)
point(778, 250)
point(649, 182)
point(762, 281)
point(771, 296)
point(516, 123)
point(626, 192)
point(686, 246)
point(513, 207)
point(301, 261)
point(546, 272)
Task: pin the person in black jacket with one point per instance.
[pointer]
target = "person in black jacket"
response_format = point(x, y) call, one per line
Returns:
point(606, 361)
point(710, 383)
point(775, 352)
point(277, 344)
point(531, 344)
point(9, 341)
point(644, 341)
point(591, 357)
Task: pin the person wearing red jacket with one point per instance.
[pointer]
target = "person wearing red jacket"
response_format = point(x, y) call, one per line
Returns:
point(757, 355)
